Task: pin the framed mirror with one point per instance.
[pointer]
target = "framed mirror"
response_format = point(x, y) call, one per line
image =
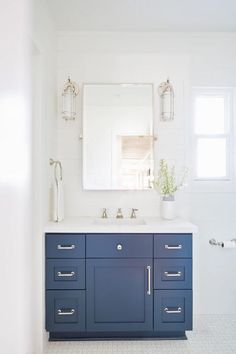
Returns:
point(117, 136)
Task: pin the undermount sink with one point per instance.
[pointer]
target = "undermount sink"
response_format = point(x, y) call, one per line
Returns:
point(115, 222)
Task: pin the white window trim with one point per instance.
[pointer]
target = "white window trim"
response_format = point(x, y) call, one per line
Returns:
point(228, 93)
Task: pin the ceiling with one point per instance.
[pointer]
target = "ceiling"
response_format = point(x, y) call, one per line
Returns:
point(144, 15)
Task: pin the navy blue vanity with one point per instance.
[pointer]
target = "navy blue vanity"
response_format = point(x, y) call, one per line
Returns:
point(118, 285)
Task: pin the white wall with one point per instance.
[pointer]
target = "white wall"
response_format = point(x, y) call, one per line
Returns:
point(15, 181)
point(189, 60)
point(107, 65)
point(44, 147)
point(27, 139)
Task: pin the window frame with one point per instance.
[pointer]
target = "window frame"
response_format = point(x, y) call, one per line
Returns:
point(227, 93)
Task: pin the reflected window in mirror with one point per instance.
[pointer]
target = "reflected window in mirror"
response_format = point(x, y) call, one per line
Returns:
point(135, 162)
point(117, 136)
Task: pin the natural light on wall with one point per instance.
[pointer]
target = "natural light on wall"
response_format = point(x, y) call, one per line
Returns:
point(14, 139)
point(211, 158)
point(212, 133)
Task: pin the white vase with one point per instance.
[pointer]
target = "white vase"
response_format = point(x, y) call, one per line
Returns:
point(168, 208)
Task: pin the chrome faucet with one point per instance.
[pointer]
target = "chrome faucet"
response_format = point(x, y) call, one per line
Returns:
point(104, 213)
point(119, 214)
point(133, 214)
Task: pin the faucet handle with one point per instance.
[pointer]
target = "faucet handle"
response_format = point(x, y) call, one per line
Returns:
point(104, 213)
point(133, 214)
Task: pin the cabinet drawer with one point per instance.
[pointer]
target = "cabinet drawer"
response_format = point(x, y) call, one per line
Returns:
point(65, 310)
point(65, 246)
point(173, 246)
point(119, 246)
point(172, 310)
point(173, 273)
point(65, 274)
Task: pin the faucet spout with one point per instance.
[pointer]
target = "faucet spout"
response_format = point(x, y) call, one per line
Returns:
point(119, 214)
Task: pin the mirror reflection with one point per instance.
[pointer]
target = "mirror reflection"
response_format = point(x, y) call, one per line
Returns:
point(117, 136)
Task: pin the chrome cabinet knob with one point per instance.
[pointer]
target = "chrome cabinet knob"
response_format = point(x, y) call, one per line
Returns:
point(119, 247)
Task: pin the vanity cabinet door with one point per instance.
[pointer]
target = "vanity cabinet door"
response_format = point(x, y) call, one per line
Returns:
point(119, 295)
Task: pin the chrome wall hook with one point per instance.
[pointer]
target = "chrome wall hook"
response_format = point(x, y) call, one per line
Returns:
point(224, 244)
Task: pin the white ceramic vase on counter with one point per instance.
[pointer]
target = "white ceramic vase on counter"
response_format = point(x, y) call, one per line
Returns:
point(168, 208)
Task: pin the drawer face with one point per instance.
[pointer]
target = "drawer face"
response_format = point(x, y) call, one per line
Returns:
point(172, 310)
point(65, 246)
point(173, 273)
point(65, 274)
point(65, 310)
point(119, 246)
point(173, 246)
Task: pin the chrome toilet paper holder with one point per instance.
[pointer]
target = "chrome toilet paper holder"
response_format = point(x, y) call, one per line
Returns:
point(213, 242)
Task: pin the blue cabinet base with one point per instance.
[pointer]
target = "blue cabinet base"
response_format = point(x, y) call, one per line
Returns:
point(75, 336)
point(118, 286)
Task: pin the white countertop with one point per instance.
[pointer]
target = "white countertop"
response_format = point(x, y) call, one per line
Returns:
point(96, 225)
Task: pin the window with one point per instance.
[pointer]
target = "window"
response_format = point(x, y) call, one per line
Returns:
point(212, 132)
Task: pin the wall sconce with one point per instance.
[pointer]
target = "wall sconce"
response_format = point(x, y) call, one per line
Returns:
point(70, 91)
point(166, 93)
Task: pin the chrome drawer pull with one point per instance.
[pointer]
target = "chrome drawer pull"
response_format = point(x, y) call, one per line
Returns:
point(65, 247)
point(65, 313)
point(149, 280)
point(178, 274)
point(70, 274)
point(172, 311)
point(119, 247)
point(175, 247)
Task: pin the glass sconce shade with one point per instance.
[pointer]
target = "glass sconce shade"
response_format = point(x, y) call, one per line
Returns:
point(166, 93)
point(70, 91)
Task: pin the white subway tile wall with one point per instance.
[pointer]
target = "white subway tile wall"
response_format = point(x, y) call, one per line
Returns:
point(189, 61)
